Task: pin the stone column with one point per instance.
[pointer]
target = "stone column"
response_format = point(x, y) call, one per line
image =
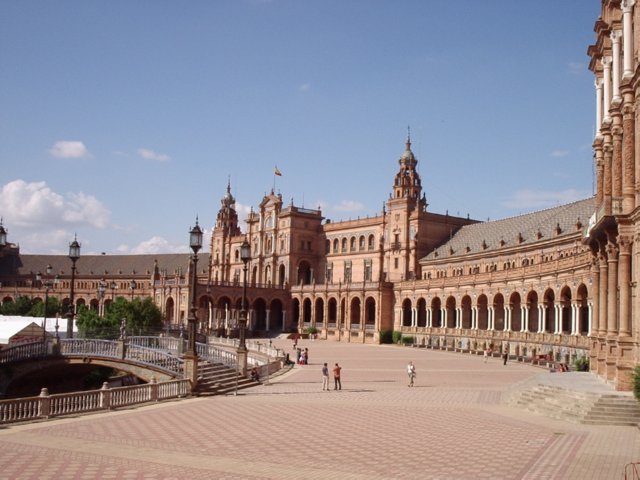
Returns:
point(627, 29)
point(599, 165)
point(628, 153)
point(490, 318)
point(524, 315)
point(616, 36)
point(612, 291)
point(604, 281)
point(598, 84)
point(268, 320)
point(591, 309)
point(624, 280)
point(575, 311)
point(606, 101)
point(429, 320)
point(444, 317)
point(507, 318)
point(616, 166)
point(557, 318)
point(542, 318)
point(474, 318)
point(607, 182)
point(595, 295)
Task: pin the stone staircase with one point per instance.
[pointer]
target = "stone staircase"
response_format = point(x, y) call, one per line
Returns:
point(575, 403)
point(219, 379)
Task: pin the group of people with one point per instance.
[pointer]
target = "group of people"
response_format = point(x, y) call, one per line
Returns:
point(302, 356)
point(337, 383)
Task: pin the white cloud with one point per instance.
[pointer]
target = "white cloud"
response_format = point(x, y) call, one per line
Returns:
point(151, 155)
point(349, 206)
point(576, 67)
point(34, 205)
point(530, 199)
point(154, 245)
point(69, 149)
point(559, 153)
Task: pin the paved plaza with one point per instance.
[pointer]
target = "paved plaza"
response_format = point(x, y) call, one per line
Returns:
point(450, 425)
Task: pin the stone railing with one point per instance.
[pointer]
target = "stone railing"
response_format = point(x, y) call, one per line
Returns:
point(47, 406)
point(216, 355)
point(23, 351)
point(167, 362)
point(169, 344)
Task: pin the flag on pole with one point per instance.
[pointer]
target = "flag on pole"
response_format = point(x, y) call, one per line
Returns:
point(277, 172)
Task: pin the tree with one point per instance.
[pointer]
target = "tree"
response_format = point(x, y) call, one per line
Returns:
point(22, 306)
point(142, 317)
point(53, 307)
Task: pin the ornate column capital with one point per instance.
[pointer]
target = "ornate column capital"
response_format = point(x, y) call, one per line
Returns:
point(616, 36)
point(606, 62)
point(612, 251)
point(627, 6)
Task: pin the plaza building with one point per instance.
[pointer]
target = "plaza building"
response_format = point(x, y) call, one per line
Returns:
point(557, 284)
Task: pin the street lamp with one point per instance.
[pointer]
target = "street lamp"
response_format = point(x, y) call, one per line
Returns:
point(113, 286)
point(133, 285)
point(245, 256)
point(48, 283)
point(195, 242)
point(74, 255)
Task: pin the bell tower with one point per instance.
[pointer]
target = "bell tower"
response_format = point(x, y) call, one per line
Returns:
point(225, 229)
point(405, 207)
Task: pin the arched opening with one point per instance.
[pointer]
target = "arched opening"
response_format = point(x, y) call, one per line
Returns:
point(549, 310)
point(169, 313)
point(451, 313)
point(498, 311)
point(466, 311)
point(259, 317)
point(281, 275)
point(584, 321)
point(436, 312)
point(276, 317)
point(516, 312)
point(295, 311)
point(565, 302)
point(319, 313)
point(304, 273)
point(422, 312)
point(406, 313)
point(332, 311)
point(483, 312)
point(355, 312)
point(306, 312)
point(534, 316)
point(370, 311)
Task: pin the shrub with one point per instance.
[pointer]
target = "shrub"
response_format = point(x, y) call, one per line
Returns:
point(635, 377)
point(396, 336)
point(386, 336)
point(407, 340)
point(581, 364)
point(311, 330)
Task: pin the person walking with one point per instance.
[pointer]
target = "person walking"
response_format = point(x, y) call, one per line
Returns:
point(337, 384)
point(411, 372)
point(486, 354)
point(325, 377)
point(505, 357)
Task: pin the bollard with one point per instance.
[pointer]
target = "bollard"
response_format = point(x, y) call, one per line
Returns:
point(44, 403)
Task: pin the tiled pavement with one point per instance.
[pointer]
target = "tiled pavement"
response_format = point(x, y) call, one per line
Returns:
point(450, 425)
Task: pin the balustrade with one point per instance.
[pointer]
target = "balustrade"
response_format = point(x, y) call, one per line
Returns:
point(45, 405)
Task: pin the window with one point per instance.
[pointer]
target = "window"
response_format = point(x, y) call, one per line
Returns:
point(367, 270)
point(353, 244)
point(395, 263)
point(361, 246)
point(371, 242)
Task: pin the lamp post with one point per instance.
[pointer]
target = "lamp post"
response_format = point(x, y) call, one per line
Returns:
point(133, 285)
point(195, 242)
point(113, 285)
point(74, 255)
point(48, 283)
point(191, 355)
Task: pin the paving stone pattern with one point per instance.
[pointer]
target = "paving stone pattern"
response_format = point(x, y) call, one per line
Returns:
point(450, 425)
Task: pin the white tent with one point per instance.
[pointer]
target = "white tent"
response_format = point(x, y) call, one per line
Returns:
point(12, 324)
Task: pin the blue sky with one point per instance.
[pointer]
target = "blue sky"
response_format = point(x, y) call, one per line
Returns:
point(121, 121)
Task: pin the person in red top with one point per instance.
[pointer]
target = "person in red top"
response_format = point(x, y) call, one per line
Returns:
point(337, 384)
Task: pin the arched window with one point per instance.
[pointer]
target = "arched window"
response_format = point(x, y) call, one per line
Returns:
point(353, 244)
point(371, 242)
point(361, 243)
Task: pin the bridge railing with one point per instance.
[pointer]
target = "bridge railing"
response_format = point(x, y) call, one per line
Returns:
point(87, 346)
point(46, 406)
point(23, 351)
point(169, 344)
point(215, 354)
point(157, 358)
